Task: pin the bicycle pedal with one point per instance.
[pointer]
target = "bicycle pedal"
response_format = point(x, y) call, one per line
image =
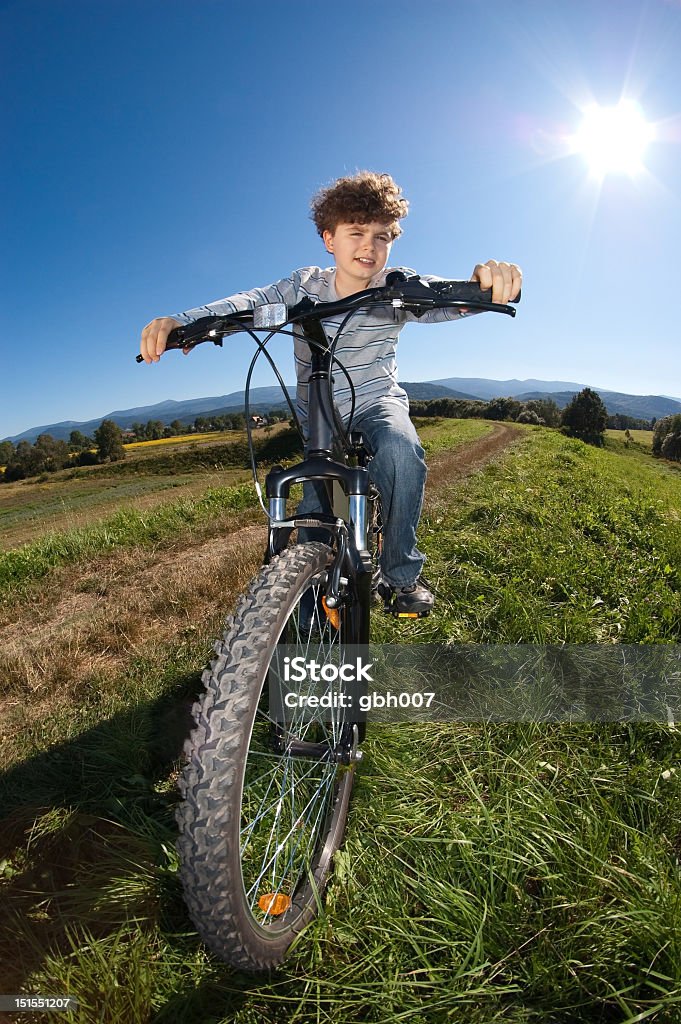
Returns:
point(385, 593)
point(390, 609)
point(406, 615)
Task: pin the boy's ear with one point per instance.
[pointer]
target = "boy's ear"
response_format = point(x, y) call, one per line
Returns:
point(327, 238)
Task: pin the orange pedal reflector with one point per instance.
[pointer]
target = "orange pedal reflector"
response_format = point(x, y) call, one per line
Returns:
point(407, 615)
point(332, 614)
point(274, 903)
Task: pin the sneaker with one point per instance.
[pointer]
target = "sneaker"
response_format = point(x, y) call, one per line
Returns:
point(416, 599)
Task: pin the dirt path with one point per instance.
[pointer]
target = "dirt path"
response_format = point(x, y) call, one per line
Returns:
point(89, 620)
point(449, 467)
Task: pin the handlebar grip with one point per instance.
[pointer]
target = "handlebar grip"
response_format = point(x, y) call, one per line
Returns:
point(176, 339)
point(465, 291)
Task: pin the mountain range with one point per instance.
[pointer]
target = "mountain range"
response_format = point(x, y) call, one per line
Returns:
point(261, 399)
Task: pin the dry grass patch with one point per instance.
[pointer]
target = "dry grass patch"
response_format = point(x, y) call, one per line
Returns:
point(125, 609)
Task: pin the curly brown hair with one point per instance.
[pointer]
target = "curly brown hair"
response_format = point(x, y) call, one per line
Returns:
point(360, 199)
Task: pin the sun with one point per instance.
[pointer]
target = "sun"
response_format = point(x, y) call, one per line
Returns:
point(613, 140)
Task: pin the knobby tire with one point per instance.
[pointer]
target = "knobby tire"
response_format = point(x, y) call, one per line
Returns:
point(256, 824)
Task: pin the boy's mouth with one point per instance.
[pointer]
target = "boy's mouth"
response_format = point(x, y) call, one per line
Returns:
point(365, 261)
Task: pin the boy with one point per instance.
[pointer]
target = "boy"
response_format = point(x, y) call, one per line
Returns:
point(358, 220)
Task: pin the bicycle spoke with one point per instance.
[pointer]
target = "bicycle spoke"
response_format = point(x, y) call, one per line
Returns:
point(285, 803)
point(298, 823)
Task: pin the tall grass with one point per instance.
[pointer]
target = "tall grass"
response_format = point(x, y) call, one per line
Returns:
point(513, 873)
point(561, 542)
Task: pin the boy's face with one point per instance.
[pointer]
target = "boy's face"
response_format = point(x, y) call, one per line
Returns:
point(361, 251)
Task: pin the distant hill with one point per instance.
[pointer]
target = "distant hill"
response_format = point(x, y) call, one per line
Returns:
point(262, 399)
point(423, 390)
point(645, 407)
point(480, 387)
point(187, 411)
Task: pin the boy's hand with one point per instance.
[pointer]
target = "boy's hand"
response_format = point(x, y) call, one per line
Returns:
point(505, 279)
point(155, 336)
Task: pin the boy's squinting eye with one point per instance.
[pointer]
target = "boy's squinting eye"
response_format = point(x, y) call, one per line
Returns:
point(358, 233)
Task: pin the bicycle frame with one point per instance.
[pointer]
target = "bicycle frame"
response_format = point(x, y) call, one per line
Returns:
point(352, 549)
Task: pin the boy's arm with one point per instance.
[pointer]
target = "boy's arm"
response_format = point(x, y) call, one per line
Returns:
point(155, 334)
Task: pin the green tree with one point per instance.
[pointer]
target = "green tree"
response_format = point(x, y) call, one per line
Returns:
point(45, 456)
point(529, 416)
point(546, 409)
point(80, 442)
point(19, 465)
point(155, 430)
point(6, 452)
point(503, 409)
point(49, 454)
point(109, 440)
point(585, 417)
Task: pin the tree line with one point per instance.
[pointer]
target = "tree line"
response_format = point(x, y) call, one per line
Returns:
point(585, 417)
point(155, 430)
point(48, 454)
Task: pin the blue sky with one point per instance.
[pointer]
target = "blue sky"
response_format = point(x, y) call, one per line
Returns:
point(161, 153)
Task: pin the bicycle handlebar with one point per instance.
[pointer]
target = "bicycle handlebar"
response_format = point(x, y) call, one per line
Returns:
point(409, 293)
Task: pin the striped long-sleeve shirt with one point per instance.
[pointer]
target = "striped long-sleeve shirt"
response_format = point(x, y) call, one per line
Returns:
point(367, 347)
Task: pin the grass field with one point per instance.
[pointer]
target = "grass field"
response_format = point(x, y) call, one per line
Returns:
point(154, 473)
point(638, 439)
point(163, 442)
point(77, 499)
point(511, 873)
point(29, 509)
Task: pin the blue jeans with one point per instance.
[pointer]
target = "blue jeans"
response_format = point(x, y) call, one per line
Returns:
point(398, 470)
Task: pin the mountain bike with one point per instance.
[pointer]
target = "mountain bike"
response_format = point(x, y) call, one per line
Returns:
point(265, 793)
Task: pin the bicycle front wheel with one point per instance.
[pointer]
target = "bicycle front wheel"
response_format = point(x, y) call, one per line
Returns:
point(265, 803)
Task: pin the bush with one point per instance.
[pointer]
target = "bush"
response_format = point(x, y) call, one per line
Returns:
point(529, 416)
point(667, 438)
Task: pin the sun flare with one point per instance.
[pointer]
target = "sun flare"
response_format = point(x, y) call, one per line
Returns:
point(613, 140)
